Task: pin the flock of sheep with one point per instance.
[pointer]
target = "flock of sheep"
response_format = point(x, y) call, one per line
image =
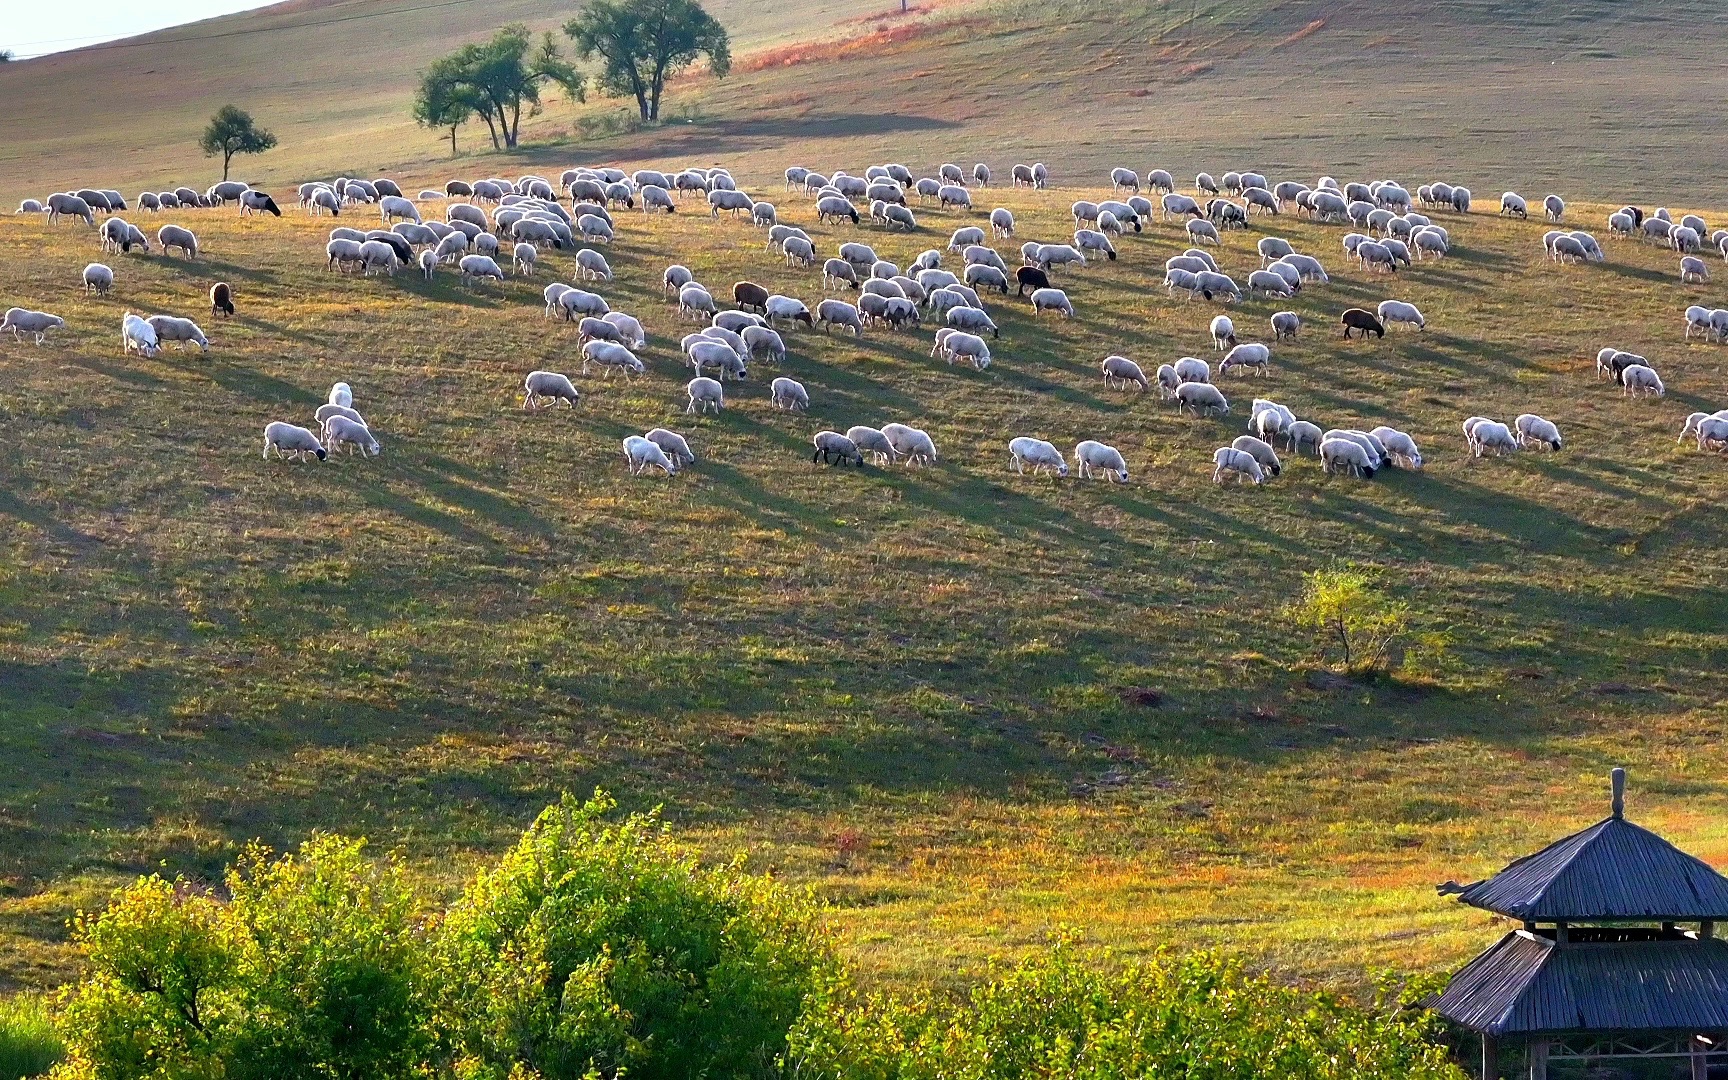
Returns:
point(527, 217)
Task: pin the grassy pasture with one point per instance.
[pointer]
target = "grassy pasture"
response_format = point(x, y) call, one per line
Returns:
point(907, 688)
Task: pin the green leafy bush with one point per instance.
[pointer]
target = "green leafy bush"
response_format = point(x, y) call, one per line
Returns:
point(1055, 1016)
point(314, 969)
point(29, 1045)
point(606, 948)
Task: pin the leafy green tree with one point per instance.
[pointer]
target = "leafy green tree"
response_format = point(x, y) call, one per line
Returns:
point(442, 102)
point(643, 43)
point(596, 947)
point(232, 131)
point(1349, 612)
point(497, 79)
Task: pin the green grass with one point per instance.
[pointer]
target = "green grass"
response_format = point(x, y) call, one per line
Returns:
point(904, 688)
point(29, 1046)
point(907, 689)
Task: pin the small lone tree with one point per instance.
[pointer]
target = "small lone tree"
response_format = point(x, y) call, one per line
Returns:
point(233, 131)
point(643, 43)
point(1348, 611)
point(6, 56)
point(497, 79)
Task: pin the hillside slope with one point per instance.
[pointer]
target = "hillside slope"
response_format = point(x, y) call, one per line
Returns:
point(1584, 98)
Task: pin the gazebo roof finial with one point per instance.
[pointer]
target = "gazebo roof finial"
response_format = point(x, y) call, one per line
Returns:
point(1618, 779)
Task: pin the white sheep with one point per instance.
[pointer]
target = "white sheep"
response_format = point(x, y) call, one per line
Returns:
point(1093, 456)
point(340, 430)
point(1119, 371)
point(290, 440)
point(696, 302)
point(1535, 429)
point(1392, 311)
point(1001, 223)
point(23, 321)
point(1261, 451)
point(523, 258)
point(1192, 369)
point(1025, 450)
point(643, 454)
point(1491, 435)
point(910, 443)
point(1248, 355)
point(174, 236)
point(1050, 300)
point(611, 355)
point(673, 445)
point(136, 335)
point(1202, 230)
point(832, 313)
point(1223, 332)
point(170, 328)
point(1285, 324)
point(1401, 449)
point(548, 387)
point(1302, 432)
point(1345, 455)
point(1693, 270)
point(705, 393)
point(1271, 283)
point(871, 440)
point(475, 267)
point(1201, 397)
point(833, 448)
point(1639, 379)
point(98, 279)
point(1229, 462)
point(789, 394)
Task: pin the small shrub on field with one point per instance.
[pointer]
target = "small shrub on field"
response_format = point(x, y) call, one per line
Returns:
point(596, 947)
point(1056, 1015)
point(29, 1045)
point(1354, 620)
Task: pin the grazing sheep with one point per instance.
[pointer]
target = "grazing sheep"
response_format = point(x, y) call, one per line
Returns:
point(910, 443)
point(643, 453)
point(1048, 300)
point(174, 236)
point(23, 321)
point(1192, 369)
point(1391, 311)
point(787, 307)
point(835, 207)
point(789, 394)
point(1001, 223)
point(1025, 450)
point(760, 340)
point(289, 440)
point(1639, 379)
point(1271, 283)
point(98, 279)
point(1491, 435)
point(1119, 371)
point(62, 204)
point(523, 258)
point(696, 302)
point(1201, 397)
point(1094, 241)
point(1223, 333)
point(592, 266)
point(341, 430)
point(1693, 270)
point(1300, 432)
point(610, 355)
point(170, 328)
point(592, 329)
point(1093, 456)
point(1535, 429)
point(984, 276)
point(1512, 204)
point(960, 345)
point(1285, 324)
point(832, 313)
point(833, 448)
point(1360, 319)
point(1345, 455)
point(1227, 461)
point(1247, 356)
point(543, 387)
point(31, 206)
point(136, 335)
point(1212, 285)
point(1261, 451)
point(1202, 231)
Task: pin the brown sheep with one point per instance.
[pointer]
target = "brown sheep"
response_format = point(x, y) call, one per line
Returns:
point(221, 299)
point(1359, 319)
point(750, 296)
point(1031, 277)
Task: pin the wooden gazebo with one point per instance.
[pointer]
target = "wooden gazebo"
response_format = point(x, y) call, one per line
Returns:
point(1617, 957)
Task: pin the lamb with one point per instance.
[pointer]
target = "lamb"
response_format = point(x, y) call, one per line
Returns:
point(833, 448)
point(1400, 447)
point(342, 431)
point(174, 236)
point(910, 443)
point(1365, 321)
point(1640, 379)
point(1119, 371)
point(136, 335)
point(1223, 333)
point(1532, 428)
point(1245, 356)
point(1392, 311)
point(289, 440)
point(1048, 300)
point(1229, 461)
point(1201, 397)
point(23, 321)
point(1093, 456)
point(98, 279)
point(524, 257)
point(1024, 450)
point(170, 328)
point(1261, 451)
point(643, 454)
point(548, 387)
point(789, 394)
point(1345, 455)
point(832, 313)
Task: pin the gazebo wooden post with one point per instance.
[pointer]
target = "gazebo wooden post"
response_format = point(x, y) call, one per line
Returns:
point(1700, 1064)
point(1538, 1059)
point(1490, 1058)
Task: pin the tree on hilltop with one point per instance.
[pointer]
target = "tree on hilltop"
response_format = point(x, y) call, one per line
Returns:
point(496, 79)
point(643, 43)
point(233, 131)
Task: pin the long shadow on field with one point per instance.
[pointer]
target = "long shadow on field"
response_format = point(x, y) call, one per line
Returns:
point(1538, 526)
point(260, 387)
point(14, 507)
point(501, 511)
point(1001, 509)
point(118, 373)
point(426, 516)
